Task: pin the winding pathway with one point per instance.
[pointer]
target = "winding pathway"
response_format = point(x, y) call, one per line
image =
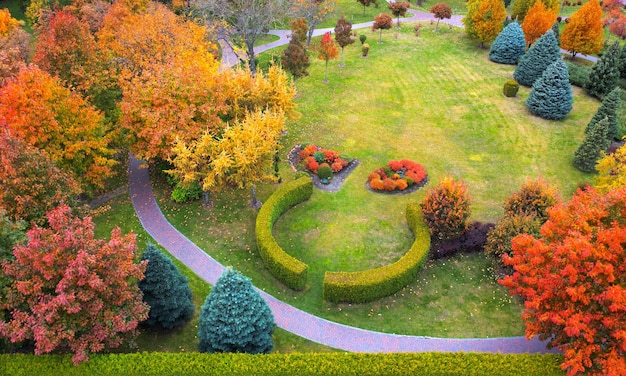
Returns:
point(287, 317)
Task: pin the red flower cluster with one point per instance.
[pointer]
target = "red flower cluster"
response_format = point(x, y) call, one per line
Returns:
point(397, 175)
point(312, 156)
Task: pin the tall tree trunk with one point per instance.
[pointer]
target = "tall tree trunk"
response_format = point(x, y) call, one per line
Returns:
point(207, 202)
point(250, 54)
point(255, 203)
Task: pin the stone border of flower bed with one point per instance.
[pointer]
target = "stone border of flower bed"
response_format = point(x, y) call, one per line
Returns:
point(338, 178)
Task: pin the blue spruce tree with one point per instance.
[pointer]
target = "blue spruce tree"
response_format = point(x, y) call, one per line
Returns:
point(165, 290)
point(605, 73)
point(595, 143)
point(235, 318)
point(509, 46)
point(608, 109)
point(551, 96)
point(539, 56)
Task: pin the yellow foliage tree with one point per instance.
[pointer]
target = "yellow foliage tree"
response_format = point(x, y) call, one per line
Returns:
point(520, 8)
point(611, 171)
point(7, 23)
point(584, 33)
point(484, 19)
point(538, 20)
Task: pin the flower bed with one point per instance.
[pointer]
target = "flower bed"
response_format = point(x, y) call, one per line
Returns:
point(322, 162)
point(397, 176)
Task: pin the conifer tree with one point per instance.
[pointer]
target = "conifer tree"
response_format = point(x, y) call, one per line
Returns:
point(622, 62)
point(235, 318)
point(538, 57)
point(551, 96)
point(165, 290)
point(594, 145)
point(295, 59)
point(608, 110)
point(556, 31)
point(509, 45)
point(605, 73)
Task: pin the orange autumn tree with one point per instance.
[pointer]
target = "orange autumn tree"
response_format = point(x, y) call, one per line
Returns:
point(484, 19)
point(36, 108)
point(584, 33)
point(538, 20)
point(573, 281)
point(14, 46)
point(327, 50)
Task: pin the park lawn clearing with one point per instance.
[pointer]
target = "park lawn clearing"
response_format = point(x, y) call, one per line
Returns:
point(435, 99)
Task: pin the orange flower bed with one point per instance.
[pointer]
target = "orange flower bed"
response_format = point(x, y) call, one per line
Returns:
point(312, 156)
point(397, 175)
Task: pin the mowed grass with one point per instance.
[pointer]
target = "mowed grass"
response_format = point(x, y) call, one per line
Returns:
point(437, 100)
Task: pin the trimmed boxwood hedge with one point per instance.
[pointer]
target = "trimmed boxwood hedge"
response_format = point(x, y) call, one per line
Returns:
point(372, 284)
point(338, 363)
point(289, 270)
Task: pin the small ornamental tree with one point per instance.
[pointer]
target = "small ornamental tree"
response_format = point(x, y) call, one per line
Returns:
point(593, 147)
point(382, 22)
point(327, 50)
point(484, 19)
point(533, 199)
point(440, 11)
point(611, 171)
point(572, 281)
point(367, 3)
point(509, 45)
point(235, 318)
point(605, 73)
point(538, 20)
point(608, 108)
point(295, 58)
point(538, 57)
point(551, 96)
point(299, 28)
point(398, 9)
point(584, 32)
point(446, 209)
point(343, 34)
point(166, 290)
point(71, 291)
point(506, 228)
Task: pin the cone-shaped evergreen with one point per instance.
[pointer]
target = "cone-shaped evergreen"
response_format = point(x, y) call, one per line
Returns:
point(556, 30)
point(608, 110)
point(538, 57)
point(165, 290)
point(594, 144)
point(551, 96)
point(509, 45)
point(234, 318)
point(622, 62)
point(605, 73)
point(295, 59)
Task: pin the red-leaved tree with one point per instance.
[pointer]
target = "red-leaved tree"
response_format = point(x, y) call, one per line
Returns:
point(70, 291)
point(440, 11)
point(573, 281)
point(327, 50)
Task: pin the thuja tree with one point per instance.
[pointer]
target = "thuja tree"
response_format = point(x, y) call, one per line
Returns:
point(538, 57)
point(573, 281)
point(533, 199)
point(551, 96)
point(608, 109)
point(295, 58)
point(622, 62)
point(165, 290)
point(509, 45)
point(593, 147)
point(446, 209)
point(235, 318)
point(605, 73)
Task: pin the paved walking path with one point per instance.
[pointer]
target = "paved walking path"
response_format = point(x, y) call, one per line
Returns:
point(293, 319)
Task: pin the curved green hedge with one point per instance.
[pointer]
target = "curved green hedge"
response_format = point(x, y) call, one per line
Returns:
point(287, 269)
point(361, 364)
point(372, 284)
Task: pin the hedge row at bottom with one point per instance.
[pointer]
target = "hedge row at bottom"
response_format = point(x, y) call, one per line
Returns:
point(285, 364)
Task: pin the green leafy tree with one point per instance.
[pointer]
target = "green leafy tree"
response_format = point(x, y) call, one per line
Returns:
point(506, 228)
point(551, 96)
point(605, 73)
point(11, 234)
point(166, 290)
point(594, 145)
point(622, 62)
point(538, 57)
point(295, 59)
point(608, 109)
point(343, 34)
point(509, 45)
point(235, 318)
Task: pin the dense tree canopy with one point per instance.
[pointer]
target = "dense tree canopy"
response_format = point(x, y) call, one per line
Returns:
point(584, 33)
point(538, 57)
point(509, 45)
point(14, 46)
point(520, 8)
point(611, 171)
point(605, 73)
point(551, 96)
point(72, 291)
point(484, 19)
point(538, 20)
point(573, 279)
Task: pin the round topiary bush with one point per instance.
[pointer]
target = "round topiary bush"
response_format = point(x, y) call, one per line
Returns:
point(325, 173)
point(511, 87)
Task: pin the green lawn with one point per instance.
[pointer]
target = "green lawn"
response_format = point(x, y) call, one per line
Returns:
point(437, 100)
